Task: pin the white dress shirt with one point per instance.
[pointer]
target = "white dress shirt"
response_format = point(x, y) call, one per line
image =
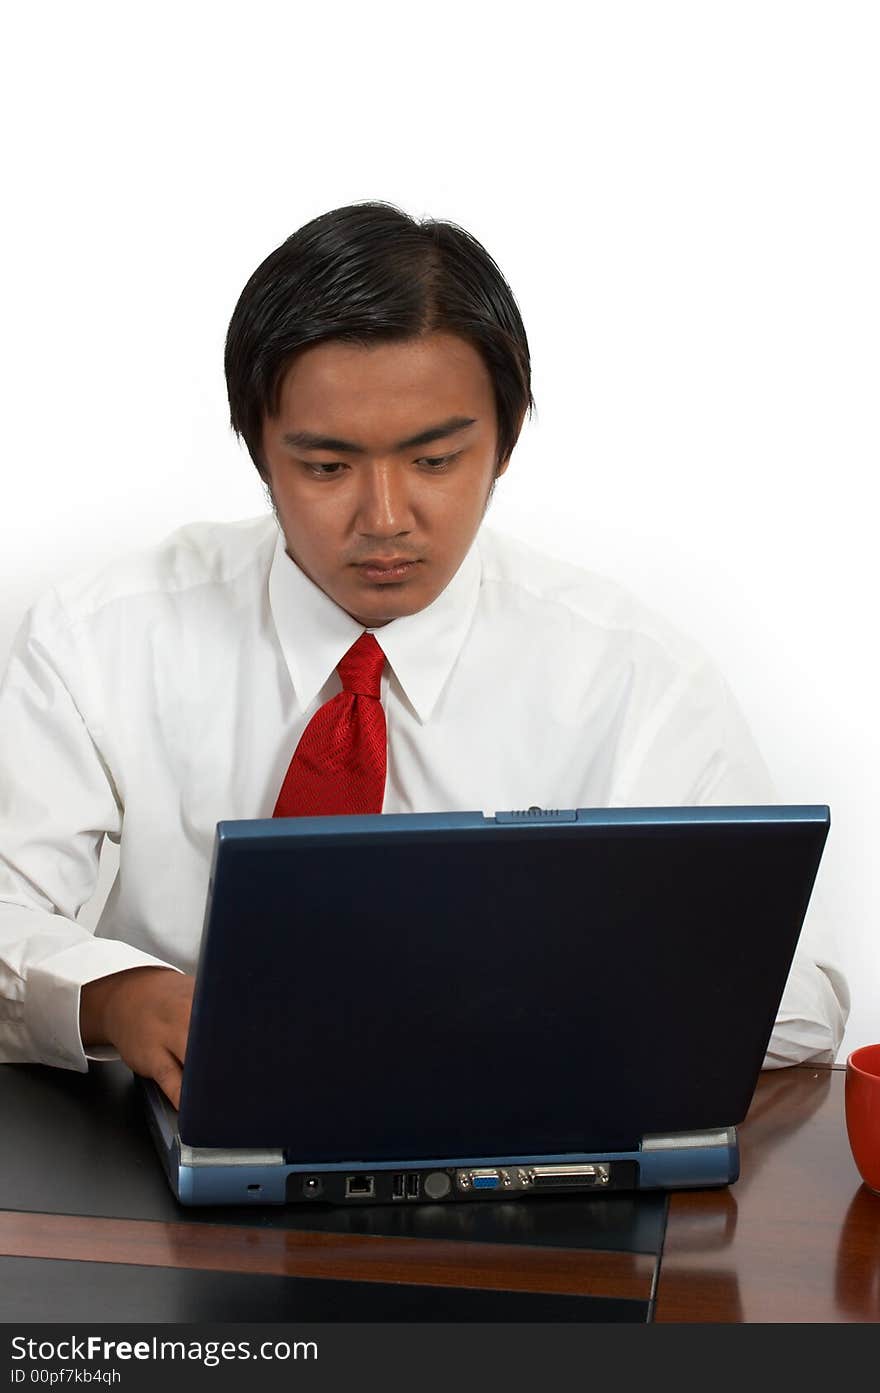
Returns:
point(149, 700)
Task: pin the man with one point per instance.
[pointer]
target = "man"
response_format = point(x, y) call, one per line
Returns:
point(378, 372)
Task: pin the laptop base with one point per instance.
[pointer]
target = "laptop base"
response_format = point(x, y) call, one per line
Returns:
point(211, 1175)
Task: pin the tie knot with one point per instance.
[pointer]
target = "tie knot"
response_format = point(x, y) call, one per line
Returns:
point(361, 668)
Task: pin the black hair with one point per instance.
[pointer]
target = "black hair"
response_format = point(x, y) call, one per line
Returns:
point(368, 273)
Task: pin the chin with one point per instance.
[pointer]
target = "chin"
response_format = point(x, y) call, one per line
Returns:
point(386, 614)
point(387, 603)
point(375, 621)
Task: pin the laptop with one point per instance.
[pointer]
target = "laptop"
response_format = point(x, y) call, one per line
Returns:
point(398, 1009)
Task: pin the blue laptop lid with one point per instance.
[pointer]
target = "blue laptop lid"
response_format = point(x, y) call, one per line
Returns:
point(402, 986)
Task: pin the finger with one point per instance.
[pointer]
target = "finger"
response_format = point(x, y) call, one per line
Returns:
point(169, 1077)
point(176, 1045)
point(175, 1033)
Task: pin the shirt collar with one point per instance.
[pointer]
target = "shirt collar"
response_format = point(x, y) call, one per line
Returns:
point(421, 648)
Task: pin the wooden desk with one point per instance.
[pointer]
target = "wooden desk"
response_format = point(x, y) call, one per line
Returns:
point(797, 1238)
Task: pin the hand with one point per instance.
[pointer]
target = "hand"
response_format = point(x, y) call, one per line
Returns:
point(143, 1013)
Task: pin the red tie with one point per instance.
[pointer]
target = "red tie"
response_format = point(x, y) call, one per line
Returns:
point(339, 764)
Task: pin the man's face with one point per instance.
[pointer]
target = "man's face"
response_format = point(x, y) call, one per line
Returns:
point(382, 526)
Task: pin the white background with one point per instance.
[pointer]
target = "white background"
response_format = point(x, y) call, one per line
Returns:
point(684, 199)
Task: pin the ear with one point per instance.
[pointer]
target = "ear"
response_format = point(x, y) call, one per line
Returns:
point(503, 467)
point(266, 479)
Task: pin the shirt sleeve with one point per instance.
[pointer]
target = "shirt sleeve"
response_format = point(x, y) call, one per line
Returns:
point(58, 800)
point(694, 748)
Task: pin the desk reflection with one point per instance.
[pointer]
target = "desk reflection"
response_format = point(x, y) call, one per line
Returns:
point(760, 1251)
point(857, 1275)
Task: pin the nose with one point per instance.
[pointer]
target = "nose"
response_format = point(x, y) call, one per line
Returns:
point(384, 502)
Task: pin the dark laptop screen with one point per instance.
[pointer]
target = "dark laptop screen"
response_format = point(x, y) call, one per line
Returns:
point(405, 988)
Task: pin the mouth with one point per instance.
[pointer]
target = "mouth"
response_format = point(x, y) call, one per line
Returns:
point(392, 568)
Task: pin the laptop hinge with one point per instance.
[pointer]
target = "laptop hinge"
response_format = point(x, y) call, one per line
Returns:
point(226, 1156)
point(676, 1141)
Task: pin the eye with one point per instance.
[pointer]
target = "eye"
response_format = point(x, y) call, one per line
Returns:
point(436, 464)
point(323, 470)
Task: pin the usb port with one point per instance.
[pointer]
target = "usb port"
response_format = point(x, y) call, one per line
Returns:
point(398, 1186)
point(412, 1187)
point(359, 1186)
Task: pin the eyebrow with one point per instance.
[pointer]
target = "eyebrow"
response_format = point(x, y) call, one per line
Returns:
point(307, 440)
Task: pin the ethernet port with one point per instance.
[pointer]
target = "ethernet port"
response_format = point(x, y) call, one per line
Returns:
point(359, 1187)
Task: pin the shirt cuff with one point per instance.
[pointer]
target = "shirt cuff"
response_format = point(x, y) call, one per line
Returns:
point(52, 1000)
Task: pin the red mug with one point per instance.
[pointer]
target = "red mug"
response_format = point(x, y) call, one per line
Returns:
point(862, 1106)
